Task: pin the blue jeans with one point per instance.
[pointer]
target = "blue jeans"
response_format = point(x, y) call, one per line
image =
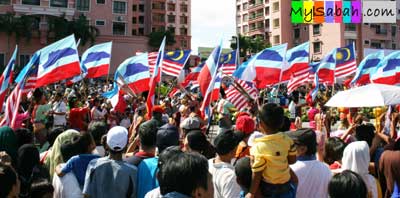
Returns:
point(287, 190)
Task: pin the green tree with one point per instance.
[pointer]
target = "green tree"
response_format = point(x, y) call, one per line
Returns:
point(7, 25)
point(155, 38)
point(250, 45)
point(23, 28)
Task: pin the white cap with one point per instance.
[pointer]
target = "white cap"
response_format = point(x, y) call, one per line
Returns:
point(254, 136)
point(117, 138)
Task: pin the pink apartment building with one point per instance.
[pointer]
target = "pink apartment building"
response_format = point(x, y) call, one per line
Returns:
point(271, 20)
point(125, 22)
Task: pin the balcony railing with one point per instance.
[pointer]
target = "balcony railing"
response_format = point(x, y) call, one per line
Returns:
point(255, 16)
point(381, 31)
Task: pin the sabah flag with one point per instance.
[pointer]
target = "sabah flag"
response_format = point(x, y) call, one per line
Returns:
point(296, 63)
point(96, 60)
point(264, 68)
point(209, 70)
point(387, 70)
point(326, 68)
point(6, 78)
point(58, 61)
point(366, 67)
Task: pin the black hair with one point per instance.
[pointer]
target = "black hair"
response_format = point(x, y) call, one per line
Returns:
point(272, 116)
point(68, 150)
point(365, 132)
point(198, 142)
point(183, 173)
point(334, 148)
point(51, 137)
point(8, 178)
point(347, 184)
point(243, 172)
point(226, 142)
point(97, 129)
point(82, 142)
point(41, 187)
point(286, 124)
point(148, 135)
point(24, 136)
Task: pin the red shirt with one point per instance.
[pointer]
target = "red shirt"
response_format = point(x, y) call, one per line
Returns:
point(77, 118)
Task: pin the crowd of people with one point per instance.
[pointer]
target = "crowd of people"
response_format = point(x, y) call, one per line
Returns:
point(70, 143)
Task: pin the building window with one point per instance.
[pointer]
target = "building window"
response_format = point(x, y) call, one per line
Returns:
point(245, 18)
point(158, 6)
point(316, 29)
point(2, 64)
point(183, 31)
point(100, 22)
point(238, 30)
point(393, 46)
point(184, 8)
point(23, 59)
point(141, 31)
point(134, 8)
point(141, 19)
point(5, 2)
point(171, 18)
point(171, 7)
point(245, 6)
point(275, 6)
point(245, 29)
point(134, 20)
point(277, 39)
point(82, 5)
point(366, 42)
point(376, 45)
point(238, 8)
point(276, 23)
point(184, 43)
point(171, 29)
point(31, 2)
point(296, 33)
point(183, 20)
point(159, 18)
point(134, 32)
point(394, 28)
point(350, 27)
point(59, 3)
point(101, 1)
point(119, 7)
point(141, 8)
point(118, 28)
point(317, 47)
point(267, 11)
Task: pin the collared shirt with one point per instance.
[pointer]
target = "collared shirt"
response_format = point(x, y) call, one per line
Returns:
point(224, 179)
point(270, 156)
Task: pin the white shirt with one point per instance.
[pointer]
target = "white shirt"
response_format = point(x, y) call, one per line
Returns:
point(314, 177)
point(66, 186)
point(99, 150)
point(224, 179)
point(292, 109)
point(59, 107)
point(155, 193)
point(98, 115)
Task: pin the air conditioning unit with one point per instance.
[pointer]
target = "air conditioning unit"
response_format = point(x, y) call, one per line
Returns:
point(119, 18)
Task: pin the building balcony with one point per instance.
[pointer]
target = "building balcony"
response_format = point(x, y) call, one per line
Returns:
point(256, 17)
point(256, 6)
point(256, 31)
point(381, 31)
point(38, 10)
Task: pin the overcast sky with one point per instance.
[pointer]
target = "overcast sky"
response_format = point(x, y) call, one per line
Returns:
point(211, 20)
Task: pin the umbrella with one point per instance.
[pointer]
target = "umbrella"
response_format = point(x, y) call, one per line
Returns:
point(371, 95)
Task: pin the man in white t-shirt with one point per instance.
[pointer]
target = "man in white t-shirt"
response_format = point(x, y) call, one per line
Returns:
point(220, 167)
point(59, 111)
point(313, 175)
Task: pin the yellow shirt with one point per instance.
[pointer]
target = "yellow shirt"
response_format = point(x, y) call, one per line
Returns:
point(270, 156)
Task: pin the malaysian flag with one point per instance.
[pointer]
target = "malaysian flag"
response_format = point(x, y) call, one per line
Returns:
point(228, 63)
point(173, 62)
point(11, 108)
point(345, 61)
point(239, 100)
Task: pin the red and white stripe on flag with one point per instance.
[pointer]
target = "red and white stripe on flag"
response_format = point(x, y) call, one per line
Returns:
point(345, 70)
point(29, 85)
point(298, 79)
point(168, 68)
point(11, 109)
point(238, 99)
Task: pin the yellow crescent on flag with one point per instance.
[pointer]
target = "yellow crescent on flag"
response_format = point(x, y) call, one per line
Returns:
point(229, 57)
point(348, 54)
point(181, 54)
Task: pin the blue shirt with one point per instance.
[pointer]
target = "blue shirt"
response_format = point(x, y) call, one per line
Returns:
point(78, 165)
point(146, 176)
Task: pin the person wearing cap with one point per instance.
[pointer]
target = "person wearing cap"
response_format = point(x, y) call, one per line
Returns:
point(110, 176)
point(313, 175)
point(167, 136)
point(220, 167)
point(244, 124)
point(272, 154)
